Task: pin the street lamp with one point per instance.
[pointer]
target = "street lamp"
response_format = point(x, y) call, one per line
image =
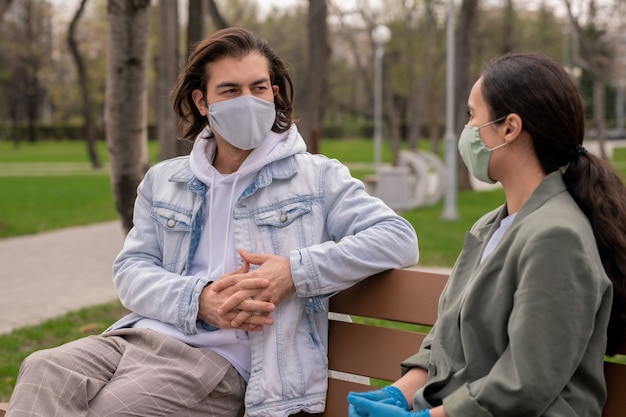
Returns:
point(380, 35)
point(450, 210)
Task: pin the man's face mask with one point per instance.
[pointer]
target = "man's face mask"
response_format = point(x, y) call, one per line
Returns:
point(244, 121)
point(475, 153)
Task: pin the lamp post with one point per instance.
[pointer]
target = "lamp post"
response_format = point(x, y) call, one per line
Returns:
point(450, 210)
point(380, 35)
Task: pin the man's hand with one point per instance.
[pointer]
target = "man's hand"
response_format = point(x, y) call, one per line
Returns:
point(245, 288)
point(255, 311)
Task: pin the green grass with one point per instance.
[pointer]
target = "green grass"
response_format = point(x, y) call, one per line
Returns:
point(50, 184)
point(36, 204)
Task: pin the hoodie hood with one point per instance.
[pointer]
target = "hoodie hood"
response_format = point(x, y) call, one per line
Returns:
point(275, 147)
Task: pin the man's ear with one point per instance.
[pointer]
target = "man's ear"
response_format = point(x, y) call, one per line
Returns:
point(198, 99)
point(513, 127)
point(275, 89)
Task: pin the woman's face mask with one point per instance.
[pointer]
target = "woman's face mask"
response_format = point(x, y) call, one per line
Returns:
point(244, 121)
point(475, 153)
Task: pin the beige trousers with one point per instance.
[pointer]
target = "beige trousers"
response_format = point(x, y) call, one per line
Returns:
point(128, 372)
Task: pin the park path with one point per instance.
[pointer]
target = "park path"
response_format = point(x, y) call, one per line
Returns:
point(49, 274)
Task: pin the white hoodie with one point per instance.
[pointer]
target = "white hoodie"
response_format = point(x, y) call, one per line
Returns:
point(216, 254)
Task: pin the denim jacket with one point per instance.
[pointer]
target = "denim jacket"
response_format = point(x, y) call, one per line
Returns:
point(304, 207)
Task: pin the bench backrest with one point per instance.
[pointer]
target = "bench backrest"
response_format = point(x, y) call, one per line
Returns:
point(359, 349)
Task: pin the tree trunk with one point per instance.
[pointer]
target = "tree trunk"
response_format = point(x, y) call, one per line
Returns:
point(313, 94)
point(466, 31)
point(393, 117)
point(216, 16)
point(195, 24)
point(195, 33)
point(508, 28)
point(591, 53)
point(31, 69)
point(4, 6)
point(167, 70)
point(417, 97)
point(126, 101)
point(83, 80)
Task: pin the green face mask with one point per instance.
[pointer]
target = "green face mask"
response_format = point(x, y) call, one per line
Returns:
point(475, 153)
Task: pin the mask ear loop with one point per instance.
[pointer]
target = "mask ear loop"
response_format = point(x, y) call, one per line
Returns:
point(502, 145)
point(490, 123)
point(208, 120)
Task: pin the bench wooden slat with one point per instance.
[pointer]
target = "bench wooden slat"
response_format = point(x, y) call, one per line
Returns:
point(368, 358)
point(393, 295)
point(399, 295)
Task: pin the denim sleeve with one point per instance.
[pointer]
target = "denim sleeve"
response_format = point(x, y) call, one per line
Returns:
point(365, 237)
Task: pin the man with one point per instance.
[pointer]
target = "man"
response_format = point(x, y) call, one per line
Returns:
point(234, 253)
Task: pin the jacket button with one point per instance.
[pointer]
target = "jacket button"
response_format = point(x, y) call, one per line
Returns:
point(283, 218)
point(310, 300)
point(171, 223)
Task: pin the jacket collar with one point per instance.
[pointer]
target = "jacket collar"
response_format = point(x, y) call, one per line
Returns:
point(282, 169)
point(549, 187)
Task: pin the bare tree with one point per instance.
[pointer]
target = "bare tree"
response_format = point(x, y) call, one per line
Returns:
point(196, 31)
point(594, 56)
point(315, 77)
point(466, 31)
point(216, 16)
point(83, 80)
point(417, 91)
point(508, 27)
point(126, 101)
point(195, 23)
point(167, 69)
point(4, 6)
point(31, 56)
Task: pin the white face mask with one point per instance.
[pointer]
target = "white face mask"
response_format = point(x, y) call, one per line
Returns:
point(475, 153)
point(244, 121)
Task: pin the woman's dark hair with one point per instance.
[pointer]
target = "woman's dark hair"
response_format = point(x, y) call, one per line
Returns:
point(541, 92)
point(236, 43)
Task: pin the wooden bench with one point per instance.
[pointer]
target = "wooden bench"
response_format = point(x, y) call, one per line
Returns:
point(359, 351)
point(363, 351)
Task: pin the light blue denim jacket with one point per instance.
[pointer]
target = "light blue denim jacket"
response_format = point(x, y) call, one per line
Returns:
point(304, 207)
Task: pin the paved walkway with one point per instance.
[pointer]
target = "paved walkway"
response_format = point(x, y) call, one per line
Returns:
point(49, 274)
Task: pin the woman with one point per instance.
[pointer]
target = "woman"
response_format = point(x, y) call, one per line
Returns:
point(536, 297)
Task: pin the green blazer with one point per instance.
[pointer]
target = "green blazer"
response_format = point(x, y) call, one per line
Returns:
point(524, 332)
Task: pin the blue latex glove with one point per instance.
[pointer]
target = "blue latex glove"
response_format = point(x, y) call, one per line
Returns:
point(388, 395)
point(363, 407)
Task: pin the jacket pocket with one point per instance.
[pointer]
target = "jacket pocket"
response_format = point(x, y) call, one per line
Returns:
point(283, 228)
point(284, 215)
point(173, 230)
point(172, 219)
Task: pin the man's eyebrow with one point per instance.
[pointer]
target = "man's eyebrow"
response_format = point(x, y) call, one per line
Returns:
point(234, 84)
point(260, 81)
point(227, 84)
